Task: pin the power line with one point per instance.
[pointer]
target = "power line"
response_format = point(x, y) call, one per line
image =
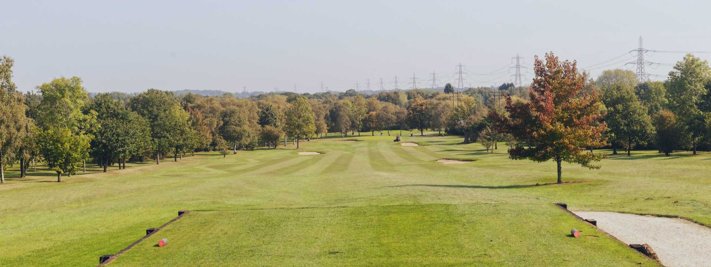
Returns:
point(679, 52)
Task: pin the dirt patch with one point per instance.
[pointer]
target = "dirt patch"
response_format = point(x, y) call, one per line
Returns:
point(309, 153)
point(677, 242)
point(453, 161)
point(409, 144)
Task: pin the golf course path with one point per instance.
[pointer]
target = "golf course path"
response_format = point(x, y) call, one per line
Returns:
point(677, 242)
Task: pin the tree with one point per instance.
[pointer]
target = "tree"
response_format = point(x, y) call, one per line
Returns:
point(300, 122)
point(387, 116)
point(358, 113)
point(268, 115)
point(320, 110)
point(235, 128)
point(63, 150)
point(686, 89)
point(560, 121)
point(669, 134)
point(418, 114)
point(339, 116)
point(122, 135)
point(372, 122)
point(448, 89)
point(653, 96)
point(29, 148)
point(12, 117)
point(270, 135)
point(170, 128)
point(439, 112)
point(627, 119)
point(64, 138)
point(488, 138)
point(467, 118)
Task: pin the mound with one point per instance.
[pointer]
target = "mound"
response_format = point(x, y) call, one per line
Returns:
point(409, 144)
point(453, 161)
point(308, 153)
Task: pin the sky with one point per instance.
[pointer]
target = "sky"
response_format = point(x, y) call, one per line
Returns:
point(269, 45)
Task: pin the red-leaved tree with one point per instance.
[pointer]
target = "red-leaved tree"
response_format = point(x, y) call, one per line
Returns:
point(561, 120)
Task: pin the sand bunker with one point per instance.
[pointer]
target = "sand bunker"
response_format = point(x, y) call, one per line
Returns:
point(677, 242)
point(308, 153)
point(409, 144)
point(453, 161)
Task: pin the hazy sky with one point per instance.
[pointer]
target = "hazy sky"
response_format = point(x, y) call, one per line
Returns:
point(266, 45)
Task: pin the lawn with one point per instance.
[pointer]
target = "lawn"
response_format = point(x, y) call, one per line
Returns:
point(367, 202)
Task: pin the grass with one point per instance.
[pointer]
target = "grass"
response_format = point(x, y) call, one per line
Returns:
point(371, 202)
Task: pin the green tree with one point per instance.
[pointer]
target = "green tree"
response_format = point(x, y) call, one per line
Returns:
point(448, 89)
point(686, 89)
point(653, 96)
point(169, 123)
point(387, 116)
point(627, 119)
point(300, 122)
point(418, 114)
point(122, 135)
point(64, 138)
point(63, 150)
point(669, 133)
point(12, 117)
point(561, 119)
point(488, 138)
point(339, 116)
point(358, 113)
point(270, 135)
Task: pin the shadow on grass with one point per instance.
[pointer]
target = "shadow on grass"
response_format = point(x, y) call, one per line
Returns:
point(623, 156)
point(516, 186)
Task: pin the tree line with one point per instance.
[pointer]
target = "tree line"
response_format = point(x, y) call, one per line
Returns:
point(62, 126)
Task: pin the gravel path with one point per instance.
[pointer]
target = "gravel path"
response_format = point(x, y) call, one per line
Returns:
point(677, 242)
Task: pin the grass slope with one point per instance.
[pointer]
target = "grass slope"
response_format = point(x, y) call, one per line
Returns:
point(372, 202)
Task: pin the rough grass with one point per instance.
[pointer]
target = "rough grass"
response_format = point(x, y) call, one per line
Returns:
point(372, 202)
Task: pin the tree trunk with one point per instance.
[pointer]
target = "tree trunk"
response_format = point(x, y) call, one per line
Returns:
point(34, 166)
point(59, 177)
point(693, 147)
point(560, 171)
point(175, 157)
point(157, 158)
point(422, 132)
point(372, 133)
point(297, 143)
point(496, 145)
point(83, 165)
point(22, 167)
point(2, 171)
point(105, 164)
point(629, 146)
point(614, 149)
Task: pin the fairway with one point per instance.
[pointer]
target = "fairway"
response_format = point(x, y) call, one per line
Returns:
point(365, 202)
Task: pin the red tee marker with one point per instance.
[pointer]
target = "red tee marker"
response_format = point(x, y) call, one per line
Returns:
point(163, 242)
point(575, 233)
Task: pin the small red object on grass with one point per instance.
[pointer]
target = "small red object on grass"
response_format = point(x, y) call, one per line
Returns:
point(575, 233)
point(163, 242)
